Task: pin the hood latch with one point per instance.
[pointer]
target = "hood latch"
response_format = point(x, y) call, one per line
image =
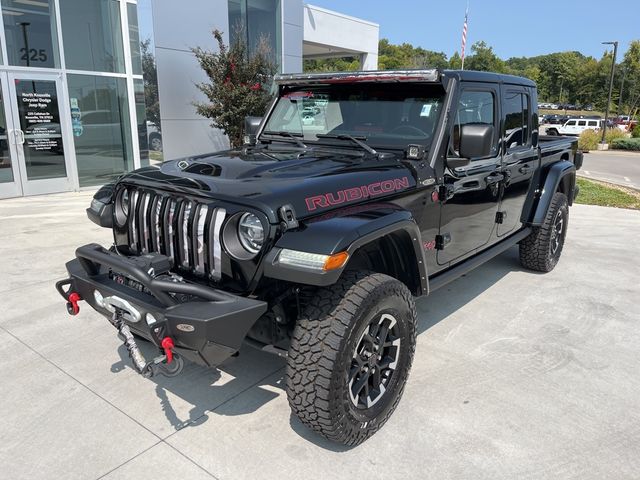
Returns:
point(288, 217)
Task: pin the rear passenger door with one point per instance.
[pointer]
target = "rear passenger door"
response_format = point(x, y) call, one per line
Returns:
point(520, 157)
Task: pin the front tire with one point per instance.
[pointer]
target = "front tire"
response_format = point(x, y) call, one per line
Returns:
point(350, 356)
point(541, 250)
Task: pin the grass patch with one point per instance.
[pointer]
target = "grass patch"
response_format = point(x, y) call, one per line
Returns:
point(607, 195)
point(632, 144)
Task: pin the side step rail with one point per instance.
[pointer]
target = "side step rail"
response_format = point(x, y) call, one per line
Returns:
point(449, 276)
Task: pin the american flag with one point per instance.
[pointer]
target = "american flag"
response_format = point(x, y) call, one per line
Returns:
point(464, 35)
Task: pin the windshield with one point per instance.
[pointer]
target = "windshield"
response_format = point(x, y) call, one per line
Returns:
point(385, 115)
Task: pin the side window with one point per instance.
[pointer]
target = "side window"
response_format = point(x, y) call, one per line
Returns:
point(516, 119)
point(571, 123)
point(474, 107)
point(582, 123)
point(593, 123)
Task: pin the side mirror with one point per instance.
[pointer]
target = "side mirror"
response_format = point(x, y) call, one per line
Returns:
point(251, 127)
point(476, 141)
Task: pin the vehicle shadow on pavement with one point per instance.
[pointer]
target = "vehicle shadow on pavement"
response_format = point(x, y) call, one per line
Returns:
point(220, 391)
point(209, 390)
point(443, 302)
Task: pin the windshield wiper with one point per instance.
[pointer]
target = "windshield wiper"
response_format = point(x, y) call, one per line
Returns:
point(356, 140)
point(284, 133)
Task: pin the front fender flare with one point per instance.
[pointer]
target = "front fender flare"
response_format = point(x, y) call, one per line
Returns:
point(339, 234)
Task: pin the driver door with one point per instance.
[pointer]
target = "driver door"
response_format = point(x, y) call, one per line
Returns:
point(470, 194)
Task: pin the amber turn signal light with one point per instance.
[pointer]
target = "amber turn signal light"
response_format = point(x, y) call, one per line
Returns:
point(335, 261)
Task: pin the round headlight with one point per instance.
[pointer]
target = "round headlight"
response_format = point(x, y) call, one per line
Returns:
point(250, 232)
point(122, 207)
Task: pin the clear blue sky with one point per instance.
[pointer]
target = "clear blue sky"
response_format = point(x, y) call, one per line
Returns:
point(513, 28)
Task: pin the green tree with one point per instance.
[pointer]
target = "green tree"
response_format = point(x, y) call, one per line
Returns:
point(483, 58)
point(455, 62)
point(238, 83)
point(631, 66)
point(340, 64)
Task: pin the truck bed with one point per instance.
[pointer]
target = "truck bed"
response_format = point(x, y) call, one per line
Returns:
point(553, 149)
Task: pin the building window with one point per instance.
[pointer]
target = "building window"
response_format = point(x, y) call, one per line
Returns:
point(144, 128)
point(102, 136)
point(134, 38)
point(92, 34)
point(147, 95)
point(29, 28)
point(251, 20)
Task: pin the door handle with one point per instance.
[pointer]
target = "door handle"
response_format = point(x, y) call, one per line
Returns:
point(20, 134)
point(525, 169)
point(494, 178)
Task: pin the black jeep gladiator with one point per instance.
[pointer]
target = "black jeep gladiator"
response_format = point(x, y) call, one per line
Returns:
point(356, 193)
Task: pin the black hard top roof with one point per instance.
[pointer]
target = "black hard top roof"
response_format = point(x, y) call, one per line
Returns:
point(423, 75)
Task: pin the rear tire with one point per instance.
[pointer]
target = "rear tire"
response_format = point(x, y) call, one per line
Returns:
point(541, 250)
point(350, 356)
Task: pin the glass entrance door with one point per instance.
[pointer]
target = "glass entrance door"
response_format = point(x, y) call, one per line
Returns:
point(37, 133)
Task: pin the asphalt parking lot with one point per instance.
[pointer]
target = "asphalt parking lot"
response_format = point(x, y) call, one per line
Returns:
point(516, 375)
point(619, 167)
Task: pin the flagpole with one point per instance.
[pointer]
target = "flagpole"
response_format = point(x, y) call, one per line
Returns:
point(464, 33)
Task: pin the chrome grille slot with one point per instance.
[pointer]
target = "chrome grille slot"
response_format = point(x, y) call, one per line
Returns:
point(215, 249)
point(169, 229)
point(183, 233)
point(199, 250)
point(156, 227)
point(144, 222)
point(133, 228)
point(186, 231)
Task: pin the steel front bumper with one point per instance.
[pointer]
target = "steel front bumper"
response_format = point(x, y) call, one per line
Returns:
point(206, 329)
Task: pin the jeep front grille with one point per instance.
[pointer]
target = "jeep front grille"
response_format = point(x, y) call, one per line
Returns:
point(185, 230)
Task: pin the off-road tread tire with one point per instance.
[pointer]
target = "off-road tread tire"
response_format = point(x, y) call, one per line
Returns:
point(535, 250)
point(314, 366)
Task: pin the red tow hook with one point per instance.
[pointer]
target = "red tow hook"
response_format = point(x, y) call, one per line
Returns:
point(167, 345)
point(72, 305)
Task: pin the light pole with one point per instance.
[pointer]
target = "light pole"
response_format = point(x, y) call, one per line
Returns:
point(613, 71)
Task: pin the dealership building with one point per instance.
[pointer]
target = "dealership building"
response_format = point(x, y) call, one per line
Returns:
point(78, 91)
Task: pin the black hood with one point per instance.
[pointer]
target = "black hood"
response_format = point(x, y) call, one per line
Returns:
point(312, 181)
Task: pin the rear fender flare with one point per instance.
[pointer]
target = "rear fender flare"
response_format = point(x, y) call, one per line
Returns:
point(560, 177)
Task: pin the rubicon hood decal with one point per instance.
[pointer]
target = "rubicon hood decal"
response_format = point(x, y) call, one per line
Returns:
point(371, 190)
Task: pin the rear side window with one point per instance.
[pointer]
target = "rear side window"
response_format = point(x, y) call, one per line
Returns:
point(516, 119)
point(593, 124)
point(582, 123)
point(474, 107)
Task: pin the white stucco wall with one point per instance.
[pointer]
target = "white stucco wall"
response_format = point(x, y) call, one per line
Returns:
point(292, 35)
